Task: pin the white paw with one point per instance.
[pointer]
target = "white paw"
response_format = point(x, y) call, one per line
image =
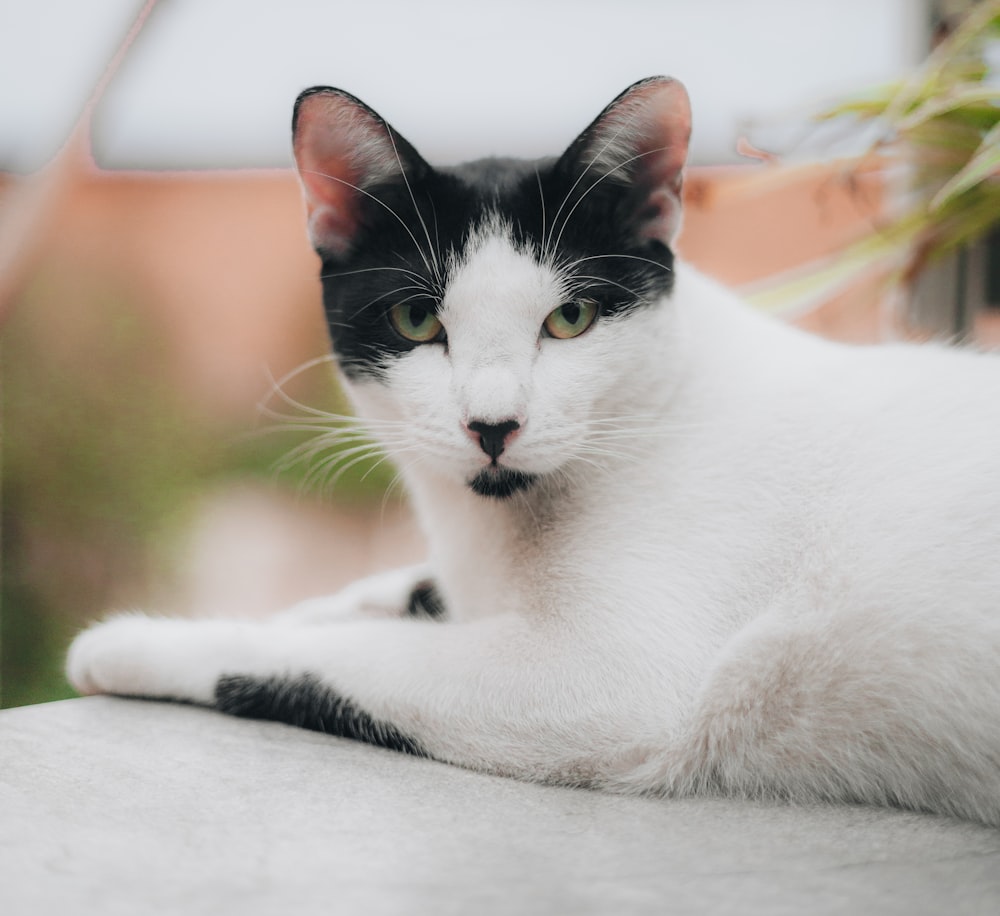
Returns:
point(107, 658)
point(385, 594)
point(139, 656)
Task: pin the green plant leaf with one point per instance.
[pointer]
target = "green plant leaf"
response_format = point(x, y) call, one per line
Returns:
point(975, 98)
point(801, 288)
point(983, 165)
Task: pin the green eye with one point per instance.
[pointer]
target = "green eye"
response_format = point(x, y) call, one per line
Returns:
point(571, 319)
point(416, 322)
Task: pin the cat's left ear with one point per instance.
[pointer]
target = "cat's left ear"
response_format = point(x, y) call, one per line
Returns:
point(346, 154)
point(638, 143)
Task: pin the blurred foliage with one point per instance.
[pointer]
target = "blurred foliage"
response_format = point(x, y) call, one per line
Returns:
point(944, 121)
point(105, 460)
point(33, 642)
point(937, 144)
point(91, 464)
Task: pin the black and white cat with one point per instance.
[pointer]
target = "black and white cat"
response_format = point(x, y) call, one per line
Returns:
point(675, 547)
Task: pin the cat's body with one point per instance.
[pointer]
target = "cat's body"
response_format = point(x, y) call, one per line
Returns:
point(679, 547)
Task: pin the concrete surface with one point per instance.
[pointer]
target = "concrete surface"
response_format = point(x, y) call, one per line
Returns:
point(124, 807)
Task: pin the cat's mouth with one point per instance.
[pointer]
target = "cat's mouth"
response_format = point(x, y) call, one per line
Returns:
point(499, 482)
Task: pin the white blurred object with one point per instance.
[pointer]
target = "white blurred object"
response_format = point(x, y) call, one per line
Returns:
point(212, 84)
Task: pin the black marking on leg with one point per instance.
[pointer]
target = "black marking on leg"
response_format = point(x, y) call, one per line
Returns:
point(307, 703)
point(426, 601)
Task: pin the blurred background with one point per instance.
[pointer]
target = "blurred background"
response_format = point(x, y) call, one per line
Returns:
point(155, 277)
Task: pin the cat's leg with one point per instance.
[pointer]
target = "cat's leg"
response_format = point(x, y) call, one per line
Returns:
point(500, 694)
point(859, 707)
point(407, 591)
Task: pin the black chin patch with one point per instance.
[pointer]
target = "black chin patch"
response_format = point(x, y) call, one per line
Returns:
point(498, 482)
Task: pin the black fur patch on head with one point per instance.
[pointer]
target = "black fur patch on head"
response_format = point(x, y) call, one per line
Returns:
point(426, 601)
point(585, 226)
point(498, 482)
point(307, 703)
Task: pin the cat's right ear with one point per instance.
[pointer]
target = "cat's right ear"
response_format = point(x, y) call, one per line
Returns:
point(344, 151)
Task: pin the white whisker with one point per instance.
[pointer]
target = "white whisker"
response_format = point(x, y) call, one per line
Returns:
point(395, 292)
point(570, 265)
point(622, 286)
point(603, 177)
point(336, 275)
point(546, 248)
point(385, 206)
point(436, 272)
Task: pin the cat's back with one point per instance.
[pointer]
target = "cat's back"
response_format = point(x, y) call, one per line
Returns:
point(925, 416)
point(919, 487)
point(875, 470)
point(881, 410)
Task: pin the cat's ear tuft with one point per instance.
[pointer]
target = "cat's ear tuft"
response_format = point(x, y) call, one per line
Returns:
point(639, 141)
point(344, 152)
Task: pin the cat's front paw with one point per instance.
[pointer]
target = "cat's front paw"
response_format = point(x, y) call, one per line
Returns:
point(105, 658)
point(159, 657)
point(138, 656)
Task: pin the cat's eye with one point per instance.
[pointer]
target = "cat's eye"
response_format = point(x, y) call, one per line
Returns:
point(416, 322)
point(571, 319)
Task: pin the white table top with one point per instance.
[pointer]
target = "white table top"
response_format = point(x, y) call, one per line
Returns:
point(120, 806)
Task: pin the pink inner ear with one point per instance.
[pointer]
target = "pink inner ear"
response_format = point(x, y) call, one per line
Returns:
point(647, 131)
point(663, 215)
point(667, 140)
point(340, 149)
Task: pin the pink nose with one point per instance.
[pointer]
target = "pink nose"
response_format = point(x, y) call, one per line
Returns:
point(492, 438)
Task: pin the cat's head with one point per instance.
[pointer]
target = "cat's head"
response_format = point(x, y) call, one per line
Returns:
point(492, 319)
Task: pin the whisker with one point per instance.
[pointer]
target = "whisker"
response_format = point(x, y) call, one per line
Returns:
point(409, 189)
point(315, 448)
point(622, 286)
point(396, 487)
point(381, 459)
point(603, 177)
point(597, 155)
point(418, 294)
point(278, 385)
point(569, 265)
point(336, 470)
point(588, 449)
point(541, 197)
point(437, 238)
point(336, 275)
point(385, 206)
point(326, 473)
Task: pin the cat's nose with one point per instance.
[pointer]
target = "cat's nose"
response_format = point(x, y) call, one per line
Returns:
point(492, 438)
